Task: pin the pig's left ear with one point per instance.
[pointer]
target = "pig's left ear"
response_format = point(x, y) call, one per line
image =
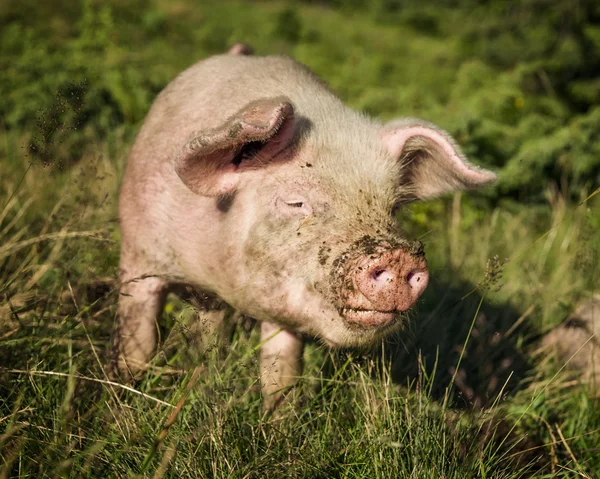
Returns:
point(211, 161)
point(432, 164)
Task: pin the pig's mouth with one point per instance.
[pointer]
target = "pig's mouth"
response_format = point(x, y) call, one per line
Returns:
point(370, 318)
point(376, 282)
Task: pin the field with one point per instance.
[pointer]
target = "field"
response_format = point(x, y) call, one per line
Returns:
point(464, 391)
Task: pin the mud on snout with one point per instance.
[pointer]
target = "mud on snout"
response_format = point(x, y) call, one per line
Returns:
point(375, 281)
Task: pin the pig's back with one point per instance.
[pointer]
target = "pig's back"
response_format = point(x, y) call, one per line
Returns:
point(214, 89)
point(205, 95)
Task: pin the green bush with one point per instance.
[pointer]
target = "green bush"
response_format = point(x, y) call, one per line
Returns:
point(516, 82)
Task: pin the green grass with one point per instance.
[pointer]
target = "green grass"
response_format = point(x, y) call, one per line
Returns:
point(462, 392)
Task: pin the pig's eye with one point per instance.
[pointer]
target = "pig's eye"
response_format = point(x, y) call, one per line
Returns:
point(295, 206)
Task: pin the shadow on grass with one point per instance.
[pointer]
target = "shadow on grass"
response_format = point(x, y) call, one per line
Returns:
point(425, 353)
point(493, 364)
point(439, 327)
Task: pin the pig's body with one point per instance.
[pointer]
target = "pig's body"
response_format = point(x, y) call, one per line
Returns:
point(160, 214)
point(252, 181)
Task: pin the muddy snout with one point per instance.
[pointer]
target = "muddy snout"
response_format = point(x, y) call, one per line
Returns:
point(382, 283)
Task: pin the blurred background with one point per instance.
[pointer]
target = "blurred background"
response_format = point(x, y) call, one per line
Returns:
point(516, 83)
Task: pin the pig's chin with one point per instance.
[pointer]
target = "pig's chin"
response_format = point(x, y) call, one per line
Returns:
point(369, 318)
point(355, 329)
point(360, 327)
point(295, 306)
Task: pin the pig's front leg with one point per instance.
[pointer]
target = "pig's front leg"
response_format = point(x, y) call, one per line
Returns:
point(141, 302)
point(280, 363)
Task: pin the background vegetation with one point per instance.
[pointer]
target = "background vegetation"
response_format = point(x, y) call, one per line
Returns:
point(464, 392)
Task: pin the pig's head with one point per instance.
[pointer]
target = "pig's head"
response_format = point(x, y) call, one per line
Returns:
point(306, 214)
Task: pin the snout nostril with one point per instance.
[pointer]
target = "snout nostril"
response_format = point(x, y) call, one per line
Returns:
point(417, 280)
point(392, 279)
point(381, 276)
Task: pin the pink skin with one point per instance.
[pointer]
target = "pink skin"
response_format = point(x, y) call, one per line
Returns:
point(240, 49)
point(268, 119)
point(384, 284)
point(287, 299)
point(280, 362)
point(429, 181)
point(262, 199)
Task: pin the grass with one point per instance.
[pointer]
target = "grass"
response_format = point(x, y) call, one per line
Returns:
point(405, 410)
point(462, 392)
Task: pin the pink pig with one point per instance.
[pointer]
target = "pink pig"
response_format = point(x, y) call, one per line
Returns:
point(251, 181)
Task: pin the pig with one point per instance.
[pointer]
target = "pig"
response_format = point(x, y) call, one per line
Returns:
point(251, 182)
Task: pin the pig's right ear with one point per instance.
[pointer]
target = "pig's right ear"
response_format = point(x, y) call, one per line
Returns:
point(431, 162)
point(211, 162)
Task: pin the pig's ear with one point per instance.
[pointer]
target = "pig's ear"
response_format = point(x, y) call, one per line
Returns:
point(432, 164)
point(210, 163)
